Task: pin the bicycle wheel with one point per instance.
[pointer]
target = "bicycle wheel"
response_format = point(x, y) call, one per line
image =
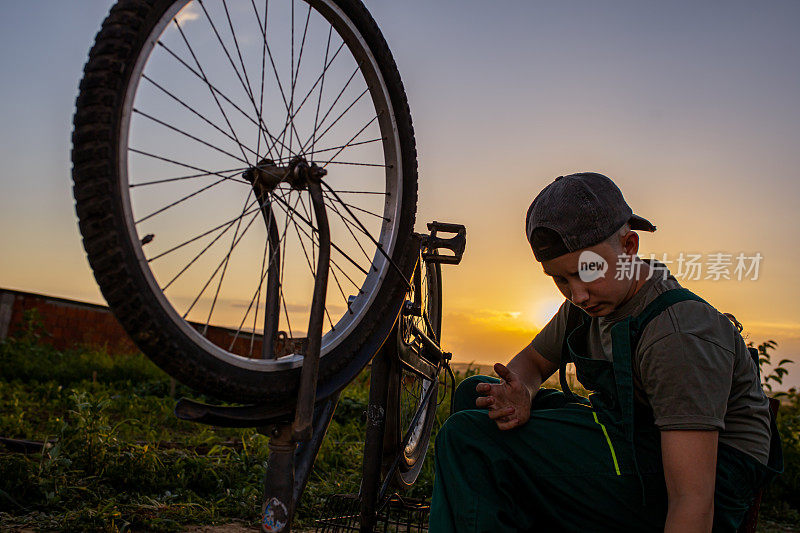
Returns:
point(395, 396)
point(180, 104)
point(414, 375)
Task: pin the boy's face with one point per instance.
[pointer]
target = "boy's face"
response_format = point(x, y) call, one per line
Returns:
point(606, 293)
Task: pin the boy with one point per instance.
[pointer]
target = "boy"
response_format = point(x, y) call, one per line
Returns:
point(677, 434)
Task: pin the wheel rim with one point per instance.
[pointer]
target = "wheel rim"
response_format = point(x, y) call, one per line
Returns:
point(359, 267)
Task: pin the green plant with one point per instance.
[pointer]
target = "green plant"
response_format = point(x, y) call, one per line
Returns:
point(771, 374)
point(782, 497)
point(781, 500)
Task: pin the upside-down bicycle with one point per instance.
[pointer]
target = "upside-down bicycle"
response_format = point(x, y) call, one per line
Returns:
point(230, 159)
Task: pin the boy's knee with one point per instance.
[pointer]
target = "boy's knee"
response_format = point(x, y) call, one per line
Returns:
point(465, 394)
point(459, 427)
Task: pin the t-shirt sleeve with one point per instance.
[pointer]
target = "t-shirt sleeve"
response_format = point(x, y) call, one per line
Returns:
point(549, 340)
point(687, 380)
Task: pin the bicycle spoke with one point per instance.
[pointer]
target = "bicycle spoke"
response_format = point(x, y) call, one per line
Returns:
point(319, 100)
point(360, 209)
point(311, 90)
point(285, 311)
point(258, 305)
point(214, 274)
point(196, 257)
point(238, 50)
point(209, 245)
point(313, 274)
point(378, 165)
point(341, 291)
point(245, 86)
point(192, 167)
point(246, 82)
point(229, 223)
point(305, 253)
point(328, 112)
point(181, 178)
point(213, 88)
point(307, 210)
point(190, 136)
point(274, 68)
point(333, 245)
point(333, 328)
point(283, 264)
point(343, 113)
point(296, 70)
point(225, 267)
point(208, 83)
point(197, 114)
point(261, 94)
point(334, 263)
point(291, 73)
point(345, 146)
point(179, 201)
point(258, 300)
point(347, 225)
point(359, 132)
point(377, 244)
point(362, 192)
point(342, 271)
point(257, 294)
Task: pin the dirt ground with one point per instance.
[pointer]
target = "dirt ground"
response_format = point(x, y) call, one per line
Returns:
point(225, 528)
point(233, 527)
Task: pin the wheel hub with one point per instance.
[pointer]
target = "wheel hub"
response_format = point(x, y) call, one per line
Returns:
point(267, 176)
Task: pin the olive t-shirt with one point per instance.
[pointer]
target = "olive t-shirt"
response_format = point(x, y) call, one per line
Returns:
point(691, 366)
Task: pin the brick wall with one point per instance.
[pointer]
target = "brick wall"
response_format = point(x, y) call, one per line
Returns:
point(71, 322)
point(67, 322)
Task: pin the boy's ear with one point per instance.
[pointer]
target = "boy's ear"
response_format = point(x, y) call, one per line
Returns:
point(630, 243)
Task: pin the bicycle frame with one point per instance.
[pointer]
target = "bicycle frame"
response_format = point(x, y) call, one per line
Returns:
point(289, 465)
point(427, 362)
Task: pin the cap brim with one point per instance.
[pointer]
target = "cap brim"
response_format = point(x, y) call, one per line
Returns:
point(637, 222)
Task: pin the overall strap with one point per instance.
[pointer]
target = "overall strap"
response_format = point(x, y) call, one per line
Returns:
point(624, 338)
point(574, 319)
point(657, 306)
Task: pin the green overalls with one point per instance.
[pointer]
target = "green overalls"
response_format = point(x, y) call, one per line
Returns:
point(577, 464)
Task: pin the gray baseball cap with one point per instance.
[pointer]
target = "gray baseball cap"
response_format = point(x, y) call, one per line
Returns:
point(575, 212)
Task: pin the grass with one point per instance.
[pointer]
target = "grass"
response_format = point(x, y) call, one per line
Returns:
point(119, 460)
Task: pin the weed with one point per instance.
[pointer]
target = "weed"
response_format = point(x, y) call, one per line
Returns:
point(119, 460)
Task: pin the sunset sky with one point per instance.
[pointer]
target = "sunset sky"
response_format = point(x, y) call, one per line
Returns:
point(691, 107)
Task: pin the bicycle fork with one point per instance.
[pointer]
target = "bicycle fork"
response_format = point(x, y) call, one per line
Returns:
point(281, 493)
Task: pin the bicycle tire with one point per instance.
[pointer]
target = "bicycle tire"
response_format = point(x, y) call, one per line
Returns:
point(385, 420)
point(114, 249)
point(407, 388)
point(390, 413)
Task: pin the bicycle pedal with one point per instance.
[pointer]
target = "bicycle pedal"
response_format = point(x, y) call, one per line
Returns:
point(431, 244)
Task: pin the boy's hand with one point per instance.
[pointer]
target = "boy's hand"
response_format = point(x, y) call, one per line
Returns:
point(509, 402)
